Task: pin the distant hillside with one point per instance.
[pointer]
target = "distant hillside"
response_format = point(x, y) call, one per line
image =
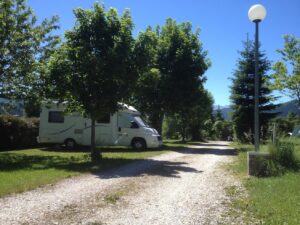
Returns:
point(287, 107)
point(283, 109)
point(226, 110)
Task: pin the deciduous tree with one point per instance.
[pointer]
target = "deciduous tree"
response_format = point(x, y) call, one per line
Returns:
point(95, 68)
point(286, 77)
point(25, 47)
point(172, 66)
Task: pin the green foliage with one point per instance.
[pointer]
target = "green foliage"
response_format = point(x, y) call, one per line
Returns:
point(285, 125)
point(219, 115)
point(223, 130)
point(282, 158)
point(242, 94)
point(25, 48)
point(288, 82)
point(94, 68)
point(191, 124)
point(199, 114)
point(148, 96)
point(171, 65)
point(18, 132)
point(270, 200)
point(283, 153)
point(268, 167)
point(182, 63)
point(170, 128)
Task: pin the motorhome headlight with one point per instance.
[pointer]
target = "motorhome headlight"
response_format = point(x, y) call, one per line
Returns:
point(148, 132)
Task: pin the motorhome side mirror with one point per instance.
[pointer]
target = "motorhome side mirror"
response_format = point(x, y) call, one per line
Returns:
point(119, 129)
point(134, 125)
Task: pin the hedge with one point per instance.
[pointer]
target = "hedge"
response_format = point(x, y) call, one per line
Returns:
point(17, 132)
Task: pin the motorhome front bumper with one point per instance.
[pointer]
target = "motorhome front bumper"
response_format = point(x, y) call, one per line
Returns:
point(154, 141)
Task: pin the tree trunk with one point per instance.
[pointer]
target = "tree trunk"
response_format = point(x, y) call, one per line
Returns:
point(156, 121)
point(195, 133)
point(95, 153)
point(183, 133)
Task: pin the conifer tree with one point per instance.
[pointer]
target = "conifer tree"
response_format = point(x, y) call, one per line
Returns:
point(242, 94)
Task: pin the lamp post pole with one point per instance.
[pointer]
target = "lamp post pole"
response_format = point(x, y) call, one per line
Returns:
point(256, 14)
point(256, 91)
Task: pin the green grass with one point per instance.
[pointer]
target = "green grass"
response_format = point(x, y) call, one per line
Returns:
point(23, 170)
point(272, 200)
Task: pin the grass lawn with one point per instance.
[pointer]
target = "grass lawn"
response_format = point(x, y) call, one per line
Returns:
point(272, 200)
point(23, 170)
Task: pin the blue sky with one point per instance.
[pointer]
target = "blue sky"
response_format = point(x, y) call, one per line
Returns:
point(224, 25)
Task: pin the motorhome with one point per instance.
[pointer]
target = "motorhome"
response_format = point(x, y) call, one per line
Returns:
point(123, 128)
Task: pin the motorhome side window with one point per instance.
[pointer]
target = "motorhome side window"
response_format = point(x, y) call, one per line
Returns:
point(124, 120)
point(56, 117)
point(104, 119)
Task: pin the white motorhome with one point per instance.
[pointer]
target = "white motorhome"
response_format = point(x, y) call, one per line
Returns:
point(124, 128)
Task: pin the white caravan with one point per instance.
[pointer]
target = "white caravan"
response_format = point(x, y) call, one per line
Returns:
point(124, 128)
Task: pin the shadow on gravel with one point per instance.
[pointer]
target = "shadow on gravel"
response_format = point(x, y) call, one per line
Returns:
point(149, 167)
point(87, 149)
point(195, 143)
point(112, 167)
point(208, 144)
point(187, 150)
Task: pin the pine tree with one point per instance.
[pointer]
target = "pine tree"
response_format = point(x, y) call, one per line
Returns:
point(219, 115)
point(242, 94)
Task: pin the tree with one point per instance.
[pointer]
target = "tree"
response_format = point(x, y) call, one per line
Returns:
point(182, 63)
point(199, 113)
point(242, 94)
point(192, 124)
point(219, 115)
point(172, 72)
point(94, 68)
point(222, 130)
point(148, 96)
point(25, 48)
point(288, 82)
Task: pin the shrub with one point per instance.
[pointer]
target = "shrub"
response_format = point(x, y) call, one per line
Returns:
point(284, 154)
point(18, 132)
point(269, 167)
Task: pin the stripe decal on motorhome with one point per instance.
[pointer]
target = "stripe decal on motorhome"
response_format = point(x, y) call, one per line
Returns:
point(62, 131)
point(87, 127)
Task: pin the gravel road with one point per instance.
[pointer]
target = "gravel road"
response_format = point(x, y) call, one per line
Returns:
point(186, 186)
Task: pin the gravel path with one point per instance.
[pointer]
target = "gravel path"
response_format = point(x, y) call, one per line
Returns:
point(183, 187)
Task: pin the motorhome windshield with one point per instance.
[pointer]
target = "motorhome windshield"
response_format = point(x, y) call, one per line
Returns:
point(140, 121)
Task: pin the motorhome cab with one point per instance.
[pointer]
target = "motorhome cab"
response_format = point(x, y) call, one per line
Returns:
point(124, 128)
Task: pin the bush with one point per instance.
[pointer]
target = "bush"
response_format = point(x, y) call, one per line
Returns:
point(281, 159)
point(284, 154)
point(269, 167)
point(18, 132)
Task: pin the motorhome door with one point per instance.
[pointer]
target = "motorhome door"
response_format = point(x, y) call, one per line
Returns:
point(125, 130)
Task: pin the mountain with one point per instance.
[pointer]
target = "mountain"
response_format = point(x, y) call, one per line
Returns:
point(287, 107)
point(283, 109)
point(226, 110)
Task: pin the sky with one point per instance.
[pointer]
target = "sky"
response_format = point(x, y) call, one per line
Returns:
point(224, 25)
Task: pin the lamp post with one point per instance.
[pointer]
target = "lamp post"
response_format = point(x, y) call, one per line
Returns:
point(256, 14)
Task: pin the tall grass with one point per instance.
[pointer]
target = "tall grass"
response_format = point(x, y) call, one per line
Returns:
point(271, 200)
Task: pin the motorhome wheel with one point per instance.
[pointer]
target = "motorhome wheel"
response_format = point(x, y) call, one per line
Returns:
point(70, 144)
point(139, 143)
